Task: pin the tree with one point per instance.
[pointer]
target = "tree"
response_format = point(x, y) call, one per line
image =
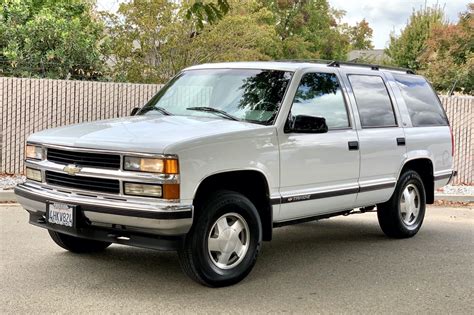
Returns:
point(360, 36)
point(406, 49)
point(210, 12)
point(55, 39)
point(138, 35)
point(151, 42)
point(245, 33)
point(449, 55)
point(312, 29)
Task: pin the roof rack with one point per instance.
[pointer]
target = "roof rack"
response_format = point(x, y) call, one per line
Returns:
point(337, 63)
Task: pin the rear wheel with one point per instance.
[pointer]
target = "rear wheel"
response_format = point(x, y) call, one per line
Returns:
point(402, 216)
point(222, 246)
point(76, 244)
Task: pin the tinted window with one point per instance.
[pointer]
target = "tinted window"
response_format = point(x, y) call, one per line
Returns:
point(319, 95)
point(422, 103)
point(373, 101)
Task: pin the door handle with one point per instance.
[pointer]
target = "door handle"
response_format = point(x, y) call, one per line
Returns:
point(353, 145)
point(401, 141)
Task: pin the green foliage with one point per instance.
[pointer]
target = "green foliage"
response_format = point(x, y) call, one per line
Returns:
point(154, 41)
point(449, 55)
point(54, 39)
point(142, 36)
point(210, 12)
point(441, 51)
point(361, 35)
point(308, 29)
point(405, 50)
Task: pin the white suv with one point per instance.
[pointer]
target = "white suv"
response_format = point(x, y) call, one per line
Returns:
point(226, 152)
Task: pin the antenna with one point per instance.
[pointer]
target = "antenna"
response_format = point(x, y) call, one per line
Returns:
point(451, 91)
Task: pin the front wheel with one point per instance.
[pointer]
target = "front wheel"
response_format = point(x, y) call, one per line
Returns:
point(222, 246)
point(402, 216)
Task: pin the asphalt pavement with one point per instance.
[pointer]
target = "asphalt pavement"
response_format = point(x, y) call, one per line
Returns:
point(340, 265)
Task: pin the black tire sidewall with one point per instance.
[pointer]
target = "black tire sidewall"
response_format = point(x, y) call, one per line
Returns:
point(407, 178)
point(414, 179)
point(222, 203)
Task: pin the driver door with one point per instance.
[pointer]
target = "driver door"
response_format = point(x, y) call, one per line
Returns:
point(319, 171)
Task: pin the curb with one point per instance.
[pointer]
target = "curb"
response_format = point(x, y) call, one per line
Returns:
point(455, 198)
point(7, 196)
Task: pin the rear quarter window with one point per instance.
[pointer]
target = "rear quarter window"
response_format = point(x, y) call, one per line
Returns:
point(422, 103)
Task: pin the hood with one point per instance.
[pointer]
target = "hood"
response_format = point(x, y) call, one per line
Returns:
point(148, 134)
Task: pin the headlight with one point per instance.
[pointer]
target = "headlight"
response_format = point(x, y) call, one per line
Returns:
point(152, 165)
point(34, 174)
point(34, 152)
point(148, 190)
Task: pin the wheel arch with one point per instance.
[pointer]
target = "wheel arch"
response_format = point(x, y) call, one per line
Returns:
point(250, 182)
point(424, 166)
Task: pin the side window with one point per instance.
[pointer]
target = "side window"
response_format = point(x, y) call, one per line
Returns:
point(320, 95)
point(373, 102)
point(422, 103)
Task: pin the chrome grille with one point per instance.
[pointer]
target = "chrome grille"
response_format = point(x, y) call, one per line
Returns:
point(87, 159)
point(84, 183)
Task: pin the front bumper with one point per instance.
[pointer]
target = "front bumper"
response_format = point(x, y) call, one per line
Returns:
point(132, 215)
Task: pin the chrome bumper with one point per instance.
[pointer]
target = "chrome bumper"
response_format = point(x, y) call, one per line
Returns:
point(147, 216)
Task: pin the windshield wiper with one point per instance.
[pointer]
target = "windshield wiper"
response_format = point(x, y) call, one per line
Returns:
point(213, 110)
point(163, 111)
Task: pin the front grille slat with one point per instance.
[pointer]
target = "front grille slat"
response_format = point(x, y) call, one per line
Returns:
point(98, 160)
point(82, 182)
point(84, 163)
point(69, 155)
point(80, 160)
point(85, 183)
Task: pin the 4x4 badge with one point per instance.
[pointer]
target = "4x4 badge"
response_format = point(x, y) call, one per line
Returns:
point(72, 169)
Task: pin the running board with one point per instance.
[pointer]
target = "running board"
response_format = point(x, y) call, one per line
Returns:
point(324, 216)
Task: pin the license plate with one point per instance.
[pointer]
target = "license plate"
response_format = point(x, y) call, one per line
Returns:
point(61, 214)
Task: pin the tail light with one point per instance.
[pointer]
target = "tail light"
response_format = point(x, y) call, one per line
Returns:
point(452, 141)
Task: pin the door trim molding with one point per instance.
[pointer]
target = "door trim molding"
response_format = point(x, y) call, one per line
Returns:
point(330, 193)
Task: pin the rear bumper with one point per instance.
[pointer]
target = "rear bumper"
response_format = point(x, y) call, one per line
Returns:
point(159, 218)
point(443, 178)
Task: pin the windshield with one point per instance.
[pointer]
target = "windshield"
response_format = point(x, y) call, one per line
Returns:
point(244, 94)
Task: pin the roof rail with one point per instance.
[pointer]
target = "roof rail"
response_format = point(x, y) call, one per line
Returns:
point(337, 63)
point(319, 61)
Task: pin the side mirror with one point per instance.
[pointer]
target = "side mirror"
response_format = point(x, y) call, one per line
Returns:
point(307, 124)
point(134, 111)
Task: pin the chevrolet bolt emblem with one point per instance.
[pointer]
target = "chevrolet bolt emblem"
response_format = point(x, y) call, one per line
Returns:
point(72, 169)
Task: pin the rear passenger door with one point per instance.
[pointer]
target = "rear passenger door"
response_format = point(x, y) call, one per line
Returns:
point(381, 138)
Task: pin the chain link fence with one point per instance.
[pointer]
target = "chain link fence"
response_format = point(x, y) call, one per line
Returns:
point(460, 111)
point(31, 105)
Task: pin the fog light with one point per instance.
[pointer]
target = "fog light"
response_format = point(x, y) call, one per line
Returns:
point(146, 190)
point(34, 174)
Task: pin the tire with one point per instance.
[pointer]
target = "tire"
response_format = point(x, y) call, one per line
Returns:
point(76, 244)
point(212, 253)
point(399, 218)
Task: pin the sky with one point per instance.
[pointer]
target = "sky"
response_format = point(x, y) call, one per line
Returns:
point(384, 16)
